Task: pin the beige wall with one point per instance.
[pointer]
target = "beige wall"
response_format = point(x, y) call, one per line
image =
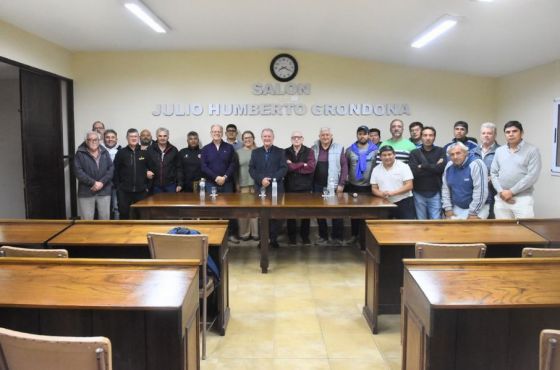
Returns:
point(122, 89)
point(26, 48)
point(528, 97)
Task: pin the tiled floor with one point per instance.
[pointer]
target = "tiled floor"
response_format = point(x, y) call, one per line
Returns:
point(306, 313)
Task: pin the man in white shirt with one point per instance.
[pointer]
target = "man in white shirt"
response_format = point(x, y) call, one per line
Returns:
point(393, 180)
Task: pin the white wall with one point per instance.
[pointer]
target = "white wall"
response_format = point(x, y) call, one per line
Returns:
point(527, 97)
point(26, 48)
point(12, 199)
point(122, 89)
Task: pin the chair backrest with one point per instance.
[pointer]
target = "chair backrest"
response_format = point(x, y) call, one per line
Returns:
point(540, 252)
point(174, 246)
point(549, 358)
point(7, 251)
point(30, 351)
point(433, 250)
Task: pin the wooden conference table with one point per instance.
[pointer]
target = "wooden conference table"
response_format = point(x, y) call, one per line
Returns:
point(118, 239)
point(127, 239)
point(30, 233)
point(148, 309)
point(236, 205)
point(478, 314)
point(389, 241)
point(548, 228)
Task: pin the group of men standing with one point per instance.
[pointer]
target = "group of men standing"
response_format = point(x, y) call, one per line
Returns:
point(463, 179)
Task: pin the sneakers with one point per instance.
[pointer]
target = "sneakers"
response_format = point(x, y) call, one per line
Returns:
point(337, 242)
point(306, 242)
point(322, 242)
point(233, 239)
point(352, 241)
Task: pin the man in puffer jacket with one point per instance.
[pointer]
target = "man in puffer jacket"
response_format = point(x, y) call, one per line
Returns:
point(93, 168)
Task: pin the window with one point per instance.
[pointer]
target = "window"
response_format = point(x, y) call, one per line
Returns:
point(555, 169)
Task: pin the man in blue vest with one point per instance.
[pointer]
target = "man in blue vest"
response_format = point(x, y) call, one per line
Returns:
point(465, 185)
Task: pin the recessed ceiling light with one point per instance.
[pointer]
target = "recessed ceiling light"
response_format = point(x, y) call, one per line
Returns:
point(437, 29)
point(146, 15)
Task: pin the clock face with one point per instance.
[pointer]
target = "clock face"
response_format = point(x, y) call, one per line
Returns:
point(284, 67)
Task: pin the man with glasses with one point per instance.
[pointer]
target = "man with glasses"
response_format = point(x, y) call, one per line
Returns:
point(231, 136)
point(299, 179)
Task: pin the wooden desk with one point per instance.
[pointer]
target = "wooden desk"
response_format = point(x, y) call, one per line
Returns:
point(548, 228)
point(30, 233)
point(235, 205)
point(148, 309)
point(478, 314)
point(128, 239)
point(389, 241)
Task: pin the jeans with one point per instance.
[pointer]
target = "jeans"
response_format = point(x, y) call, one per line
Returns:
point(427, 207)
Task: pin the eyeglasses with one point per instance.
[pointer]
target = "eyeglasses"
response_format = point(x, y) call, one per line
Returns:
point(297, 137)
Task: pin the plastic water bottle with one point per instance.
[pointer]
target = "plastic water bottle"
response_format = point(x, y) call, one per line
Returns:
point(274, 188)
point(202, 186)
point(332, 187)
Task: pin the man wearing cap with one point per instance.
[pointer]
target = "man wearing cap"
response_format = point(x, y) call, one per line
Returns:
point(360, 158)
point(401, 146)
point(392, 180)
point(231, 136)
point(464, 191)
point(460, 131)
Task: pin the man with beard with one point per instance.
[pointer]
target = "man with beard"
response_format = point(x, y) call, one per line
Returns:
point(190, 161)
point(401, 146)
point(360, 158)
point(146, 139)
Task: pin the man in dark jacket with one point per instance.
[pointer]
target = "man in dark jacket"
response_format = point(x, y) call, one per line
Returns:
point(190, 162)
point(131, 174)
point(164, 162)
point(427, 164)
point(94, 170)
point(268, 163)
point(299, 179)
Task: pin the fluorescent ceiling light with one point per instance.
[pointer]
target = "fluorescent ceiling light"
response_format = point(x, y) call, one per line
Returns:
point(437, 29)
point(140, 10)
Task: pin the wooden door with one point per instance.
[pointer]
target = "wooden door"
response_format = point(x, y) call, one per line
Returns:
point(41, 130)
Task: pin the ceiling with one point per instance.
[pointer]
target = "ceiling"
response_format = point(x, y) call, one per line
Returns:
point(492, 39)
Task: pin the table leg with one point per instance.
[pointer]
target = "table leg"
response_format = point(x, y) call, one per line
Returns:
point(264, 229)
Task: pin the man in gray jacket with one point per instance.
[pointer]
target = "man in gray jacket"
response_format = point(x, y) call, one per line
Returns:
point(514, 172)
point(94, 170)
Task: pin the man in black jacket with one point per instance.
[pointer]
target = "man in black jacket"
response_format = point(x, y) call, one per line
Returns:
point(427, 164)
point(268, 163)
point(299, 179)
point(130, 174)
point(190, 162)
point(164, 162)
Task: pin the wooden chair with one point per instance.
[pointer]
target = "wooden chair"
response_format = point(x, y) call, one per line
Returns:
point(540, 252)
point(7, 251)
point(173, 246)
point(432, 250)
point(22, 351)
point(549, 358)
